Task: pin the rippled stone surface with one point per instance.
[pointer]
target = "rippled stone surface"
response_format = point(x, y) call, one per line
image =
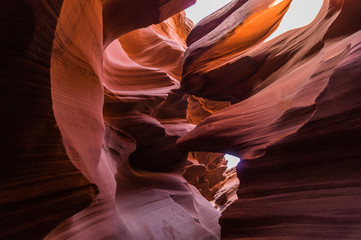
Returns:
point(69, 135)
point(108, 120)
point(294, 122)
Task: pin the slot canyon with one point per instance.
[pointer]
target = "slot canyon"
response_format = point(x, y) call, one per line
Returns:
point(117, 116)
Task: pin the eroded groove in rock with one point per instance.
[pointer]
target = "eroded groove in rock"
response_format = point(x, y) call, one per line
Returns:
point(285, 195)
point(37, 179)
point(132, 130)
point(210, 22)
point(207, 169)
point(164, 205)
point(296, 127)
point(119, 20)
point(100, 109)
point(206, 172)
point(288, 104)
point(239, 31)
point(139, 80)
point(77, 93)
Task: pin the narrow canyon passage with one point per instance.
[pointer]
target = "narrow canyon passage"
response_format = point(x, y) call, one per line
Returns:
point(125, 120)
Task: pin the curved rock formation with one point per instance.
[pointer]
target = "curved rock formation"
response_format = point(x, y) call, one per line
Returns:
point(240, 30)
point(37, 179)
point(295, 126)
point(137, 78)
point(62, 85)
point(227, 193)
point(108, 120)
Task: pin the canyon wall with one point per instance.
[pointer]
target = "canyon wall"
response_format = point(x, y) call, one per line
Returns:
point(295, 122)
point(115, 128)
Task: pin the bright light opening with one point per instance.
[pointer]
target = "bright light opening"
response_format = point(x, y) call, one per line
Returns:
point(232, 161)
point(275, 3)
point(300, 13)
point(203, 8)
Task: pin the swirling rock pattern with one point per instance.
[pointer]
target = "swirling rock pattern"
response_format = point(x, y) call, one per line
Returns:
point(61, 143)
point(37, 179)
point(101, 109)
point(295, 123)
point(130, 141)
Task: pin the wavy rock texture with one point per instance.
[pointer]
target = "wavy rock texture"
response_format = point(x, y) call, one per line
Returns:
point(100, 109)
point(207, 169)
point(227, 193)
point(80, 115)
point(206, 172)
point(137, 77)
point(37, 178)
point(295, 124)
point(241, 29)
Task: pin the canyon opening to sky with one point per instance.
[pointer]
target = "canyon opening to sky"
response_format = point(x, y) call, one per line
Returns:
point(117, 116)
point(300, 13)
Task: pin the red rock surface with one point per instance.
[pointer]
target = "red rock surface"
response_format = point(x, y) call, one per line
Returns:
point(64, 138)
point(148, 198)
point(227, 193)
point(37, 178)
point(296, 126)
point(206, 172)
point(100, 109)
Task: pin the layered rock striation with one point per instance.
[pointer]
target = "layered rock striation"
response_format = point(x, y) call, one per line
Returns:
point(81, 103)
point(294, 122)
point(142, 192)
point(108, 121)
